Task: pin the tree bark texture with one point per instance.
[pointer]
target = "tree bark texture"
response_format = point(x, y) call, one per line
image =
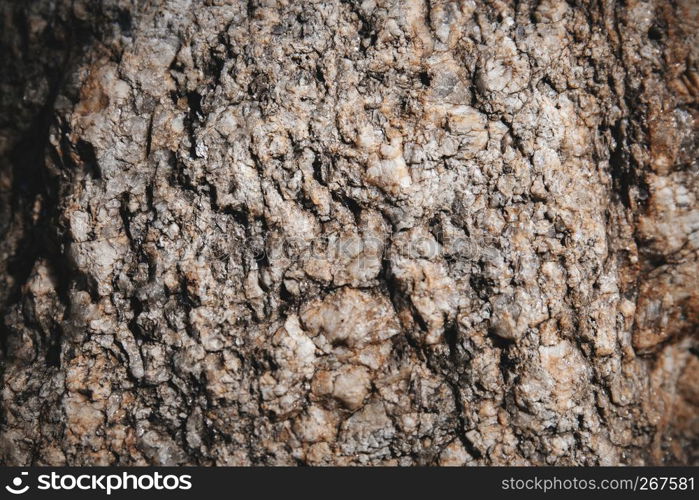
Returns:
point(349, 232)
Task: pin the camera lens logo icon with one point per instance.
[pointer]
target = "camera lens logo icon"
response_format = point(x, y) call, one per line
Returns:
point(16, 488)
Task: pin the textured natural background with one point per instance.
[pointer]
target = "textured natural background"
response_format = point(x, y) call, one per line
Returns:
point(349, 232)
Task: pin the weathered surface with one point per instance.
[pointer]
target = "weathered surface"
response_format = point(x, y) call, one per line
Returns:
point(336, 232)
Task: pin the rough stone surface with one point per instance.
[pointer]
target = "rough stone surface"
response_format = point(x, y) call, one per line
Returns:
point(349, 232)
